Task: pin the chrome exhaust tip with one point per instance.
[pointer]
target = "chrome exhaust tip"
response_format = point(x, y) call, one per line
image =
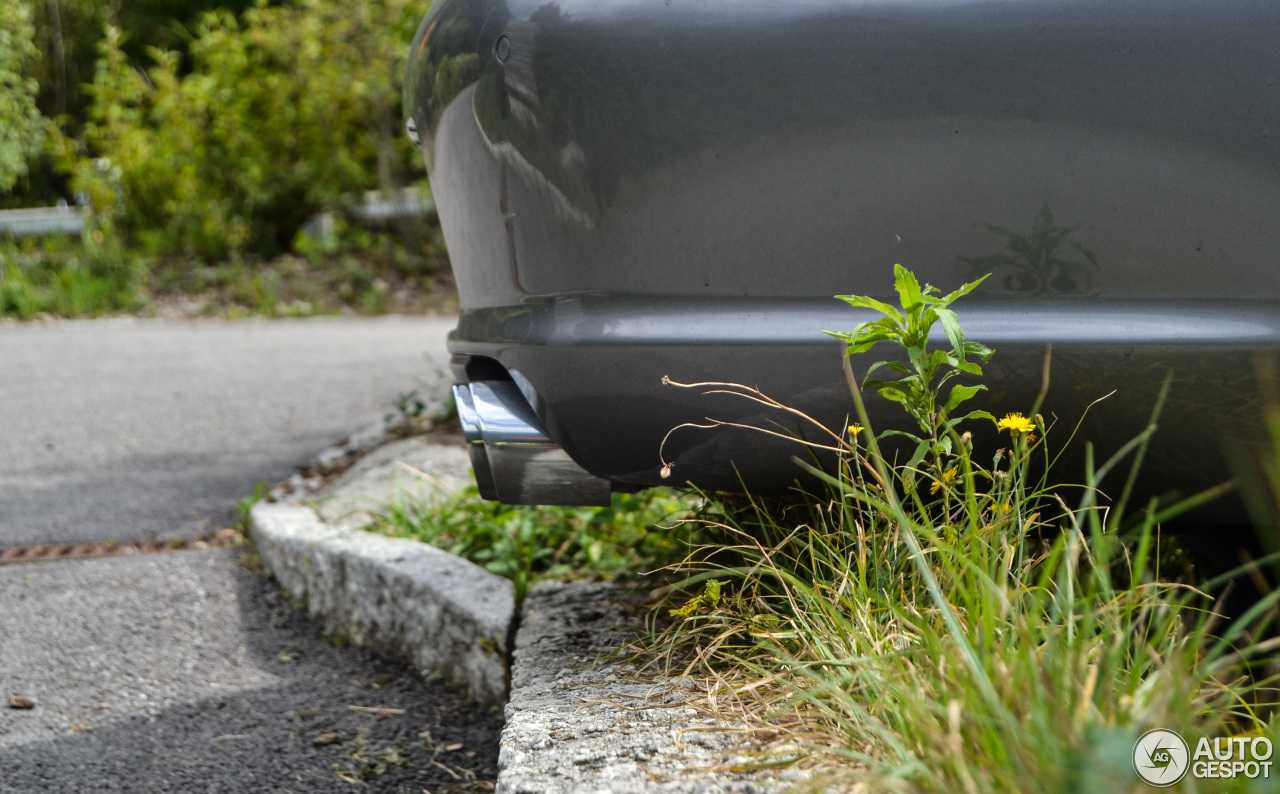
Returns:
point(514, 459)
point(470, 422)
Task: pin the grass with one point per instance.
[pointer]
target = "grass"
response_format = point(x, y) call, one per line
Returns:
point(933, 625)
point(68, 280)
point(531, 544)
point(360, 272)
point(974, 658)
point(941, 626)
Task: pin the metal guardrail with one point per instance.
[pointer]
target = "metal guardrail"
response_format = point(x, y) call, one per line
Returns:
point(43, 221)
point(372, 210)
point(408, 203)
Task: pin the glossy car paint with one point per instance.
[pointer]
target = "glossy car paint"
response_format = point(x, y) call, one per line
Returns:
point(638, 188)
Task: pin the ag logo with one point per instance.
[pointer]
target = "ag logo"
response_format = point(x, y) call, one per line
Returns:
point(1161, 757)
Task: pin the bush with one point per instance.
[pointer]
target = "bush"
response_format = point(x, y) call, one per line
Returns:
point(284, 110)
point(22, 129)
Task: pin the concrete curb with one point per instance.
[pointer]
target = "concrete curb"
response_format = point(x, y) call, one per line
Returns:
point(578, 720)
point(582, 721)
point(406, 599)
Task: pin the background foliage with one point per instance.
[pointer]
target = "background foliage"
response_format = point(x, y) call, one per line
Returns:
point(21, 127)
point(204, 136)
point(283, 111)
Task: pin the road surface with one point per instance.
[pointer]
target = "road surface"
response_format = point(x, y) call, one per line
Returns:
point(138, 429)
point(185, 671)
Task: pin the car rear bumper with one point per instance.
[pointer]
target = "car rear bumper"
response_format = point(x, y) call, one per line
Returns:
point(638, 190)
point(594, 366)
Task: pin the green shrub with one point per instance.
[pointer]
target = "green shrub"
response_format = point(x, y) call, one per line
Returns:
point(22, 129)
point(282, 111)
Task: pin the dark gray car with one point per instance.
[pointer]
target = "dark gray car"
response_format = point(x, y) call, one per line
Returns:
point(638, 188)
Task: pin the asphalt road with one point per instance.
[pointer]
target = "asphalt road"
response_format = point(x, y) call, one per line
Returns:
point(188, 671)
point(185, 672)
point(137, 429)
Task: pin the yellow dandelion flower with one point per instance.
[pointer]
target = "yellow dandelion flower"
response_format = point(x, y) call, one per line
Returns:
point(947, 476)
point(854, 430)
point(1015, 423)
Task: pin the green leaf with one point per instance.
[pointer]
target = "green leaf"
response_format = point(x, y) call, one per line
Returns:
point(951, 297)
point(857, 329)
point(959, 394)
point(894, 393)
point(977, 415)
point(955, 334)
point(902, 433)
point(881, 384)
point(865, 335)
point(713, 592)
point(946, 376)
point(866, 302)
point(908, 287)
point(922, 449)
point(896, 366)
point(917, 357)
point(980, 350)
point(927, 318)
point(688, 609)
point(869, 341)
point(885, 326)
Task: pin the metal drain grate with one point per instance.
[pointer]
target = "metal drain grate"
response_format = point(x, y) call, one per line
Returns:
point(223, 538)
